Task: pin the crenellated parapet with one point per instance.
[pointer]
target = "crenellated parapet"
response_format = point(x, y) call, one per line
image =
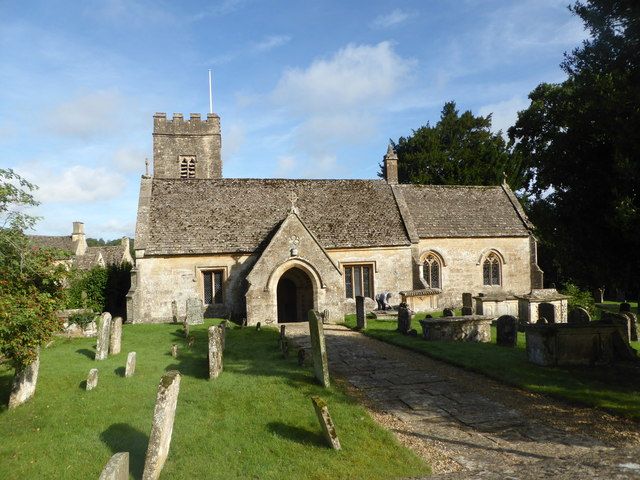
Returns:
point(178, 125)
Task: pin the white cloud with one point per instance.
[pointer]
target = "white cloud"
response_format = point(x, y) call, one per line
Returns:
point(87, 115)
point(286, 165)
point(130, 159)
point(77, 183)
point(320, 166)
point(118, 228)
point(391, 19)
point(271, 42)
point(233, 139)
point(505, 113)
point(356, 76)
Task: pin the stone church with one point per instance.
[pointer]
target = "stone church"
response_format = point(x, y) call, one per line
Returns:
point(268, 250)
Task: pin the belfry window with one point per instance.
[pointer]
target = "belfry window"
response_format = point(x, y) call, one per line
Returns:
point(491, 270)
point(358, 280)
point(187, 167)
point(212, 281)
point(431, 271)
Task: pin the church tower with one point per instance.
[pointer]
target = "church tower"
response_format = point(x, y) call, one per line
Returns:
point(186, 148)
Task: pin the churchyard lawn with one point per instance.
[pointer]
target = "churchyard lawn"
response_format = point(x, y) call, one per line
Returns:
point(255, 421)
point(611, 388)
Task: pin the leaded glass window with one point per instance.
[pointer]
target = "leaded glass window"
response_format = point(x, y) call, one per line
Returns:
point(431, 271)
point(358, 280)
point(212, 286)
point(491, 274)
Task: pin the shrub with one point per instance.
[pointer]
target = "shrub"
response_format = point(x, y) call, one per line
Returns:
point(93, 282)
point(579, 298)
point(82, 319)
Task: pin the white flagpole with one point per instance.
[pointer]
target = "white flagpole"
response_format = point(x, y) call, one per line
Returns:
point(210, 94)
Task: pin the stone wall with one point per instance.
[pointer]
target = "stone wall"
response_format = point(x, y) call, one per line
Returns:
point(462, 269)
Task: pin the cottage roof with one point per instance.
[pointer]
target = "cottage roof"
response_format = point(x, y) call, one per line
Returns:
point(240, 215)
point(462, 211)
point(90, 259)
point(59, 242)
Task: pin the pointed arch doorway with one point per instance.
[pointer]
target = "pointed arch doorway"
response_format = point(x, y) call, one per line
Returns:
point(294, 296)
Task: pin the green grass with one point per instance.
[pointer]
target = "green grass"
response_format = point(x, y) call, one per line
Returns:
point(256, 421)
point(611, 388)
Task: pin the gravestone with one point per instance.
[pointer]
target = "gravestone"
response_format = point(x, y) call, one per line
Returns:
point(318, 349)
point(578, 316)
point(466, 311)
point(404, 318)
point(328, 428)
point(618, 319)
point(215, 351)
point(130, 368)
point(541, 321)
point(258, 326)
point(195, 315)
point(600, 297)
point(174, 350)
point(104, 333)
point(361, 318)
point(174, 311)
point(185, 327)
point(633, 325)
point(447, 312)
point(507, 331)
point(117, 468)
point(115, 337)
point(92, 379)
point(24, 383)
point(625, 307)
point(301, 356)
point(548, 311)
point(326, 316)
point(162, 427)
point(467, 300)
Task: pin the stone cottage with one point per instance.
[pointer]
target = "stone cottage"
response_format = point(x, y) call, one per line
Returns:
point(268, 250)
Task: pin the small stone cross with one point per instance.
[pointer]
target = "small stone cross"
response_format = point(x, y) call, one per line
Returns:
point(293, 198)
point(146, 167)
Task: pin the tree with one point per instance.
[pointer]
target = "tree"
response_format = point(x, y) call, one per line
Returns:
point(581, 139)
point(30, 279)
point(458, 150)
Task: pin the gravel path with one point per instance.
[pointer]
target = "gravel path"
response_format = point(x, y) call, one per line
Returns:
point(468, 426)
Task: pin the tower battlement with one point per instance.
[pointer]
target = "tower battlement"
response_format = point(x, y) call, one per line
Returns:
point(194, 125)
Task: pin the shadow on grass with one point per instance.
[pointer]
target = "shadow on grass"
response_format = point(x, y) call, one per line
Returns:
point(296, 434)
point(6, 384)
point(87, 353)
point(82, 385)
point(120, 371)
point(122, 437)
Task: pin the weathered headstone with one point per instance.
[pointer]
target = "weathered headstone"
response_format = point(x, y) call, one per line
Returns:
point(404, 318)
point(115, 337)
point(507, 331)
point(185, 327)
point(195, 315)
point(447, 312)
point(104, 331)
point(326, 316)
point(548, 311)
point(328, 428)
point(633, 325)
point(600, 295)
point(215, 351)
point(92, 379)
point(301, 356)
point(258, 326)
point(541, 321)
point(283, 334)
point(578, 316)
point(162, 427)
point(625, 307)
point(117, 468)
point(318, 349)
point(190, 341)
point(174, 350)
point(466, 311)
point(361, 318)
point(618, 319)
point(467, 300)
point(24, 383)
point(174, 311)
point(130, 368)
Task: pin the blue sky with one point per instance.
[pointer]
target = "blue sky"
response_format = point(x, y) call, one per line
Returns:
point(305, 89)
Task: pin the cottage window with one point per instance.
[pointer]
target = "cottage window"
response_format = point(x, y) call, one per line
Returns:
point(491, 270)
point(431, 271)
point(188, 167)
point(358, 280)
point(212, 286)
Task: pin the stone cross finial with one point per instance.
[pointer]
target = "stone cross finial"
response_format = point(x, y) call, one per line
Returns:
point(293, 198)
point(391, 153)
point(504, 178)
point(146, 167)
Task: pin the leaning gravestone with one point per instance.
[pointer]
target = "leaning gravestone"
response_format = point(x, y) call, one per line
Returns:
point(619, 319)
point(467, 300)
point(318, 348)
point(361, 318)
point(117, 468)
point(104, 331)
point(404, 318)
point(625, 307)
point(578, 316)
point(115, 339)
point(447, 312)
point(92, 379)
point(174, 311)
point(215, 351)
point(195, 314)
point(130, 369)
point(507, 331)
point(24, 383)
point(633, 325)
point(328, 428)
point(162, 427)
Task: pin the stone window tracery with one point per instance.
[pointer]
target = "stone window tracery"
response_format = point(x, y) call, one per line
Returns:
point(492, 270)
point(358, 280)
point(187, 167)
point(431, 269)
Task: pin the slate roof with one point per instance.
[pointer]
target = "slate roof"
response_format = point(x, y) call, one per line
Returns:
point(112, 254)
point(90, 259)
point(460, 211)
point(240, 215)
point(60, 242)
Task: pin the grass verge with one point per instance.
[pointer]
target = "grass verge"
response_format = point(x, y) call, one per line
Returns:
point(256, 421)
point(611, 387)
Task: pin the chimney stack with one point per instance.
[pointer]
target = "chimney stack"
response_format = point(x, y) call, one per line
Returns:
point(391, 166)
point(78, 238)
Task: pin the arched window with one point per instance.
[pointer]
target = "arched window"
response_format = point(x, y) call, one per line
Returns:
point(491, 270)
point(188, 167)
point(431, 271)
